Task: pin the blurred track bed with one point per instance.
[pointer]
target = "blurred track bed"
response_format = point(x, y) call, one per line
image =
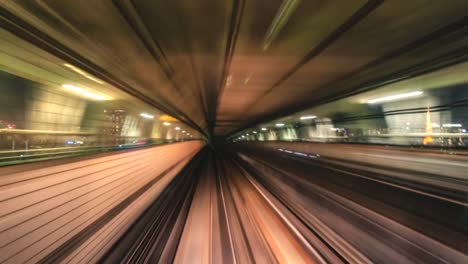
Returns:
point(231, 219)
point(151, 237)
point(72, 210)
point(256, 205)
point(264, 206)
point(359, 212)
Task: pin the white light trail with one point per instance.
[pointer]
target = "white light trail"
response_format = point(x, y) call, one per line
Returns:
point(83, 73)
point(83, 92)
point(145, 115)
point(394, 97)
point(452, 125)
point(307, 117)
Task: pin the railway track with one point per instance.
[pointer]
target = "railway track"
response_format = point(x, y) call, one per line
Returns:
point(253, 208)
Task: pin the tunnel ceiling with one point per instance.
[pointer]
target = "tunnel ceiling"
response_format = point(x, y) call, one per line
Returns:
point(223, 65)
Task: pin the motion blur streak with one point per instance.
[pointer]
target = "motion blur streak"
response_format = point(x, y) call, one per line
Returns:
point(231, 219)
point(233, 131)
point(53, 208)
point(255, 204)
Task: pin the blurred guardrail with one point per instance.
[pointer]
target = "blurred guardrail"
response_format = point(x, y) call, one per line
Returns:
point(11, 157)
point(394, 159)
point(452, 143)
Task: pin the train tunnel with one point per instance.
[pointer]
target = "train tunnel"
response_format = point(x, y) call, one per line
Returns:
point(233, 131)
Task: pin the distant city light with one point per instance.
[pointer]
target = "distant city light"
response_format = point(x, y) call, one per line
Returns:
point(452, 125)
point(83, 92)
point(279, 124)
point(264, 129)
point(145, 115)
point(166, 123)
point(83, 73)
point(307, 117)
point(394, 97)
point(255, 132)
point(177, 128)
